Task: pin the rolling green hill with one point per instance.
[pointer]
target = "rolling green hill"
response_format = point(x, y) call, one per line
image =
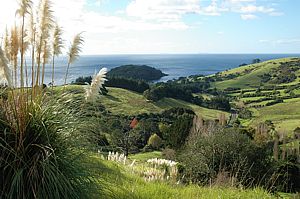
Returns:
point(270, 89)
point(121, 101)
point(285, 116)
point(250, 76)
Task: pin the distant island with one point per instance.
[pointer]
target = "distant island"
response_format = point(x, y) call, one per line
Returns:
point(140, 72)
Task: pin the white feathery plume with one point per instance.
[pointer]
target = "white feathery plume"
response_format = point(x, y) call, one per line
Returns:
point(4, 69)
point(92, 90)
point(74, 51)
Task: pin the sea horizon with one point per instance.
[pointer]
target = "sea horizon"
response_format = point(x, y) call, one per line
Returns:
point(175, 65)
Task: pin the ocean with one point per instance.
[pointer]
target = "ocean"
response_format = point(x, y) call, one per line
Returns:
point(175, 65)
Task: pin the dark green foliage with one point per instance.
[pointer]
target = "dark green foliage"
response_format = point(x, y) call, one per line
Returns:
point(124, 138)
point(245, 113)
point(289, 175)
point(175, 112)
point(277, 101)
point(83, 80)
point(266, 77)
point(45, 159)
point(175, 135)
point(255, 61)
point(297, 132)
point(219, 102)
point(184, 91)
point(139, 72)
point(225, 150)
point(130, 84)
point(118, 82)
point(284, 77)
point(88, 80)
point(176, 91)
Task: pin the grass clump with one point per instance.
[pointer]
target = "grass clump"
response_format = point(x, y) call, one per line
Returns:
point(43, 149)
point(40, 157)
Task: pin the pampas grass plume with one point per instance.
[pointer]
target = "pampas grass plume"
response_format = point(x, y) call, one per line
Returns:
point(74, 51)
point(75, 48)
point(92, 91)
point(4, 69)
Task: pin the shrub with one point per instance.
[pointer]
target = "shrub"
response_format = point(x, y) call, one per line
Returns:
point(130, 84)
point(245, 113)
point(155, 141)
point(277, 101)
point(224, 151)
point(177, 133)
point(169, 154)
point(41, 153)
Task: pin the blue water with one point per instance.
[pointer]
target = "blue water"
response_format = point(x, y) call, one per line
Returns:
point(175, 65)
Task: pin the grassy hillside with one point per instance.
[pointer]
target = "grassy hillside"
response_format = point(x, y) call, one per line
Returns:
point(285, 116)
point(249, 76)
point(258, 86)
point(131, 103)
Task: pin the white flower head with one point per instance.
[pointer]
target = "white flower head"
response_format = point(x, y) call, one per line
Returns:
point(92, 91)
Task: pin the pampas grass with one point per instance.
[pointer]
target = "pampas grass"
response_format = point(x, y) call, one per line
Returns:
point(14, 50)
point(6, 45)
point(56, 47)
point(4, 69)
point(41, 141)
point(24, 7)
point(92, 91)
point(45, 25)
point(46, 56)
point(74, 51)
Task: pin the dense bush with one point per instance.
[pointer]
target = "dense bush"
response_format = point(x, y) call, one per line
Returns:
point(227, 151)
point(231, 156)
point(155, 141)
point(219, 103)
point(277, 101)
point(245, 113)
point(138, 72)
point(163, 90)
point(118, 82)
point(83, 80)
point(129, 84)
point(169, 154)
point(185, 92)
point(175, 135)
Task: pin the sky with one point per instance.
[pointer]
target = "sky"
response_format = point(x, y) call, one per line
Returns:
point(175, 26)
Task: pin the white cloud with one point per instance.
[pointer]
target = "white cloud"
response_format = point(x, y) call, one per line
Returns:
point(76, 19)
point(138, 17)
point(255, 9)
point(248, 16)
point(212, 9)
point(162, 10)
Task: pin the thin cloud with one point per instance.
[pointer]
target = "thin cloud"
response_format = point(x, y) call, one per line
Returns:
point(248, 16)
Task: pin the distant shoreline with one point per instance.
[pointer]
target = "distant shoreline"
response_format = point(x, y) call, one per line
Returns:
point(175, 65)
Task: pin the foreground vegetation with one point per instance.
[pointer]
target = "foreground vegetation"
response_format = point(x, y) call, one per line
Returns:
point(127, 184)
point(49, 136)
